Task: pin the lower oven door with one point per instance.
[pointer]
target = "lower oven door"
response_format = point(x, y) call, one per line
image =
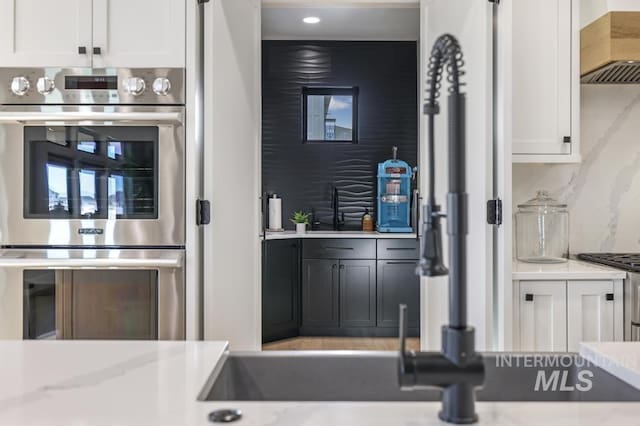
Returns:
point(92, 176)
point(92, 294)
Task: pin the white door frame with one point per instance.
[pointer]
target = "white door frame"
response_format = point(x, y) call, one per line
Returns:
point(232, 171)
point(470, 21)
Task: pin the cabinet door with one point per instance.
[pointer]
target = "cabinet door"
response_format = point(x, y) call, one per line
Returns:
point(139, 33)
point(397, 283)
point(108, 305)
point(280, 290)
point(45, 33)
point(543, 316)
point(542, 76)
point(320, 298)
point(590, 312)
point(357, 293)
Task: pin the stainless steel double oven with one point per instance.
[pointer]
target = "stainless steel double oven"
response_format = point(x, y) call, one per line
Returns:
point(92, 203)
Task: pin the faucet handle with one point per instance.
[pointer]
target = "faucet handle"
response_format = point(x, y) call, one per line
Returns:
point(403, 329)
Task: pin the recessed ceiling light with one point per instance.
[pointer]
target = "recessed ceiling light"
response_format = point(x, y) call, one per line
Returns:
point(311, 20)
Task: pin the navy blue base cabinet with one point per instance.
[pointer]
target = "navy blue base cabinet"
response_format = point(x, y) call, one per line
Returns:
point(338, 287)
point(280, 289)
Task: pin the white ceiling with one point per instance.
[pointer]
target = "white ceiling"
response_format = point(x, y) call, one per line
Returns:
point(400, 22)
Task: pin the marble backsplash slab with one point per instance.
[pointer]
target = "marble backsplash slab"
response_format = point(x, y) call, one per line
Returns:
point(602, 192)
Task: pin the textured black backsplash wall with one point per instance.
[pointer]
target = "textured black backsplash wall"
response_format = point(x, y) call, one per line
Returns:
point(304, 174)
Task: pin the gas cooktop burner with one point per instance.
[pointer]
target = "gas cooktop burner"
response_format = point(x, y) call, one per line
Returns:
point(627, 261)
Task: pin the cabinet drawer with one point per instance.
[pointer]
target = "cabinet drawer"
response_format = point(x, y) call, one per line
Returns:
point(339, 249)
point(398, 249)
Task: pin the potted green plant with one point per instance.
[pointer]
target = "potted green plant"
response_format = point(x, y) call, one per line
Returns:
point(301, 219)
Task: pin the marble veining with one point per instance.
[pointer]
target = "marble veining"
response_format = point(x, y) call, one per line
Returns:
point(602, 192)
point(106, 383)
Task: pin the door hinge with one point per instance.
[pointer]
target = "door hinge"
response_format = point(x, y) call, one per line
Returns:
point(203, 212)
point(494, 1)
point(609, 296)
point(494, 212)
point(566, 139)
point(202, 1)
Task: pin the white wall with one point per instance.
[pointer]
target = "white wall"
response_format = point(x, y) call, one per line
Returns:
point(603, 192)
point(469, 21)
point(590, 10)
point(232, 254)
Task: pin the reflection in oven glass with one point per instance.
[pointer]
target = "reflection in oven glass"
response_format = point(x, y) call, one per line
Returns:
point(116, 196)
point(114, 150)
point(57, 180)
point(88, 193)
point(87, 146)
point(91, 172)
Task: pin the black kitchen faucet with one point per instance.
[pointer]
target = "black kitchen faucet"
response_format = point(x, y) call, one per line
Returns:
point(457, 369)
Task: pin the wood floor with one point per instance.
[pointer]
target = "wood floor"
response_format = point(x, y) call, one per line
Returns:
point(340, 343)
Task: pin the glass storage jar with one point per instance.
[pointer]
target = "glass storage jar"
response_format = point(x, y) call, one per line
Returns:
point(542, 230)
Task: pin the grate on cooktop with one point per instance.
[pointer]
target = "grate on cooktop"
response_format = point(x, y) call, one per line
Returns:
point(626, 261)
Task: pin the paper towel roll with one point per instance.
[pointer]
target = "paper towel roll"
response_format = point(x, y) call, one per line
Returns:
point(275, 213)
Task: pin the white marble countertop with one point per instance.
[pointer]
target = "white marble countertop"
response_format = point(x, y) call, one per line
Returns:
point(571, 270)
point(102, 383)
point(337, 234)
point(621, 359)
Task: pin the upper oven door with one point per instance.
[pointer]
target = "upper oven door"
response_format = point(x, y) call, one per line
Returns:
point(92, 176)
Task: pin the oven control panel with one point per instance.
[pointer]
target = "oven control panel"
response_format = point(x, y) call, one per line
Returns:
point(75, 86)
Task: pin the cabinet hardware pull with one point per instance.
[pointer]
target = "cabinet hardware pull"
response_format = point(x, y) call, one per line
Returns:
point(408, 262)
point(338, 248)
point(528, 297)
point(341, 266)
point(97, 51)
point(82, 50)
point(400, 248)
point(334, 266)
point(609, 296)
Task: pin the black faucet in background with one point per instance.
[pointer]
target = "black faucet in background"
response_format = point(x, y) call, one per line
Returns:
point(337, 222)
point(457, 369)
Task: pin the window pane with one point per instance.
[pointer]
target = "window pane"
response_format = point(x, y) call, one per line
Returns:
point(88, 193)
point(57, 185)
point(86, 146)
point(114, 150)
point(330, 117)
point(116, 196)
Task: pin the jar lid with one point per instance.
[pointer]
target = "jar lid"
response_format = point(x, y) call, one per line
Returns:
point(542, 199)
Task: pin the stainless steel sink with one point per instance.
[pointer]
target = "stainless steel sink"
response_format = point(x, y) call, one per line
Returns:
point(372, 376)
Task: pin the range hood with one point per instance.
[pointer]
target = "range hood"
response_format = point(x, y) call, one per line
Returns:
point(610, 49)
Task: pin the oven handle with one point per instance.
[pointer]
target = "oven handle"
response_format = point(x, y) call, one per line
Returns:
point(90, 116)
point(169, 262)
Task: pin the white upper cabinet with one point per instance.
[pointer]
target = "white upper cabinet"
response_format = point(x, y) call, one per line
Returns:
point(545, 80)
point(139, 33)
point(93, 33)
point(37, 33)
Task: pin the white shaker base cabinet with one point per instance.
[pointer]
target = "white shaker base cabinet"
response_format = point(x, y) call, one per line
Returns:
point(545, 80)
point(543, 319)
point(555, 316)
point(590, 312)
point(93, 33)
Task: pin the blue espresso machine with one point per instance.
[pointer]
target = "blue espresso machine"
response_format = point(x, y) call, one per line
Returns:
point(394, 195)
